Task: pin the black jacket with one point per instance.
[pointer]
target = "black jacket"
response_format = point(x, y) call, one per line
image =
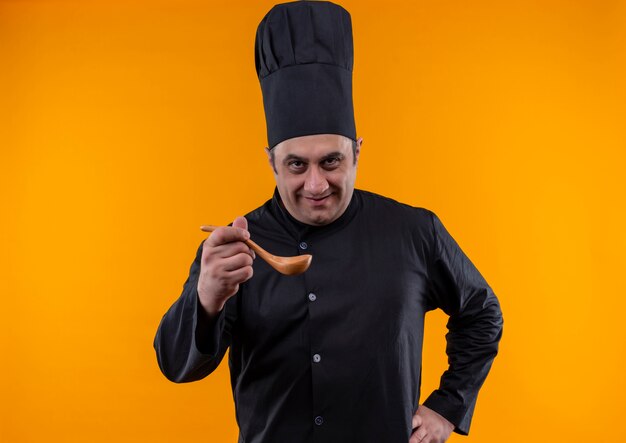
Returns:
point(334, 355)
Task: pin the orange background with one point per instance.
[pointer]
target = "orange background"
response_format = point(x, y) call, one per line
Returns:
point(126, 125)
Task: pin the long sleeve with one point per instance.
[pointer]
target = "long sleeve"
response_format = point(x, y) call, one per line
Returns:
point(189, 345)
point(474, 328)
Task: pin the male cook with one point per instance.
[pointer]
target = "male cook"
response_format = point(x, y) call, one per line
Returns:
point(332, 355)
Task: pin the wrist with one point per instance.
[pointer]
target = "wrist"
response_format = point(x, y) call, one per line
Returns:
point(210, 306)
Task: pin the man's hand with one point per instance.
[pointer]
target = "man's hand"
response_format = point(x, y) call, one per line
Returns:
point(430, 427)
point(226, 263)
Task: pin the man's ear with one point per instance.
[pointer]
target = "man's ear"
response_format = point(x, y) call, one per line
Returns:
point(357, 151)
point(270, 159)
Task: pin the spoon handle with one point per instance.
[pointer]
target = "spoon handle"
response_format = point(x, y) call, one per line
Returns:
point(269, 258)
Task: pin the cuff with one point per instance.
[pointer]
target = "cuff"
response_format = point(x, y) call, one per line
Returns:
point(460, 417)
point(207, 331)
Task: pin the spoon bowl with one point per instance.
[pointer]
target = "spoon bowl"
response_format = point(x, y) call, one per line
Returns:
point(285, 265)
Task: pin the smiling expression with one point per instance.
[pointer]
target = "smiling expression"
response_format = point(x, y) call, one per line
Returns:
point(315, 176)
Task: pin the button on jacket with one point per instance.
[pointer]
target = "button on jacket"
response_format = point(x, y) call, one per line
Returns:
point(334, 355)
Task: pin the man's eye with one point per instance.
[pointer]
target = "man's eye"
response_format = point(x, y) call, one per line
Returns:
point(331, 162)
point(296, 165)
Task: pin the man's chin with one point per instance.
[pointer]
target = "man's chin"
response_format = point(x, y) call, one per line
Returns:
point(320, 218)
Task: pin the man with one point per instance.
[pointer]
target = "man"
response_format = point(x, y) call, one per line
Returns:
point(332, 355)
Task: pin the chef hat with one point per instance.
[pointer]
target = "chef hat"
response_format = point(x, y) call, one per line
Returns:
point(304, 57)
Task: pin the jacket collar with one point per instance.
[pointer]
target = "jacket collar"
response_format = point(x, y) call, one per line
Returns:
point(301, 231)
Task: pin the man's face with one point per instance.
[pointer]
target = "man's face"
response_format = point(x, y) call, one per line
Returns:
point(315, 176)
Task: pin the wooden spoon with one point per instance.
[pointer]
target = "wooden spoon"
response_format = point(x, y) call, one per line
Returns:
point(285, 265)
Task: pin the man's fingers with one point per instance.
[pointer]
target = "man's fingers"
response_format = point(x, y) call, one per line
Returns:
point(417, 421)
point(241, 222)
point(418, 436)
point(228, 234)
point(236, 262)
point(230, 250)
point(231, 272)
point(430, 427)
point(242, 274)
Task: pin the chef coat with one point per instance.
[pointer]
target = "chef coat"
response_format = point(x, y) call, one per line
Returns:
point(334, 355)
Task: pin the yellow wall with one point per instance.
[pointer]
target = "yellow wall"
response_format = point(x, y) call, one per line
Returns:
point(125, 125)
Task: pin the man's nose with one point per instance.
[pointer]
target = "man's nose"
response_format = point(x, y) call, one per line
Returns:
point(315, 183)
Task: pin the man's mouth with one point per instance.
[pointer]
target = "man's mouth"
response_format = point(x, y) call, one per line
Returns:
point(316, 200)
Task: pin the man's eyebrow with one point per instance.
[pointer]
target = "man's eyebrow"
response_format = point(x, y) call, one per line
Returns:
point(335, 154)
point(290, 157)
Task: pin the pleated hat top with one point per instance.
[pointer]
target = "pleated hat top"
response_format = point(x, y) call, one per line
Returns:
point(304, 56)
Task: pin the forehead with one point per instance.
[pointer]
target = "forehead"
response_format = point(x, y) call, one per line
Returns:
point(312, 146)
